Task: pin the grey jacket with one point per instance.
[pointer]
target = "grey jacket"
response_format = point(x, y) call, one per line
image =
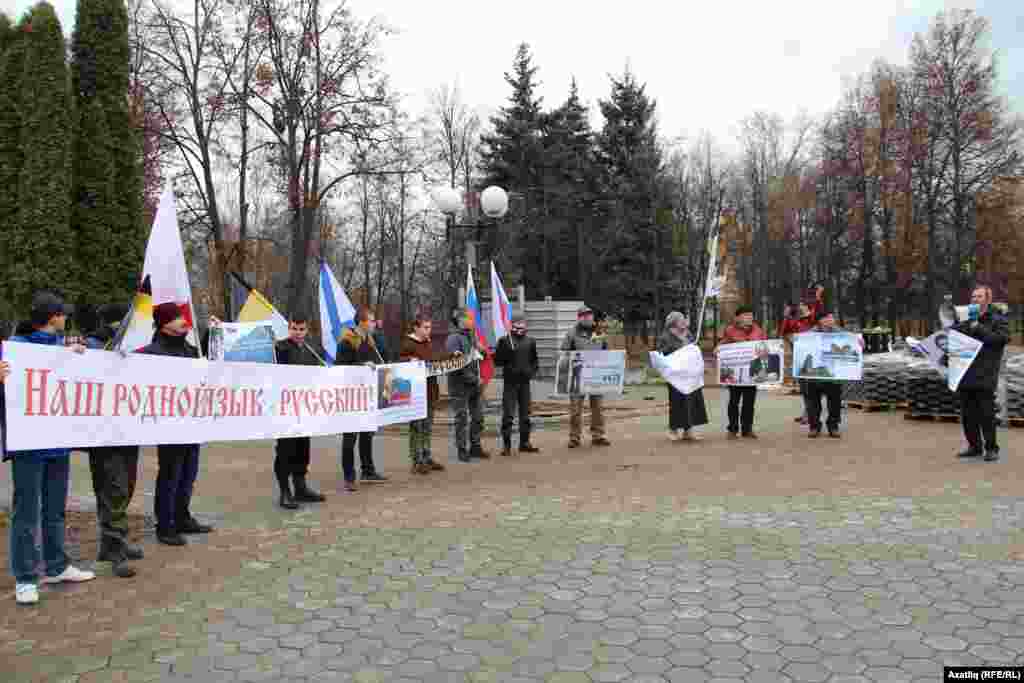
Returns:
point(578, 339)
point(469, 376)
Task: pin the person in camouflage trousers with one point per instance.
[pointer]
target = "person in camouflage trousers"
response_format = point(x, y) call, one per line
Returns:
point(417, 346)
point(583, 337)
point(114, 470)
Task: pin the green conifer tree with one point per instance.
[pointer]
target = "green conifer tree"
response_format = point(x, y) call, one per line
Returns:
point(108, 201)
point(12, 66)
point(629, 152)
point(39, 241)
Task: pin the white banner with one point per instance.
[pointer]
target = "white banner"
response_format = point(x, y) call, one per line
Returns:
point(401, 392)
point(950, 352)
point(585, 373)
point(828, 356)
point(683, 369)
point(56, 398)
point(751, 364)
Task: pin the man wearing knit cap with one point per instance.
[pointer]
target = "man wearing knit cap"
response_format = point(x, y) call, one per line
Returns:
point(178, 465)
point(114, 469)
point(517, 354)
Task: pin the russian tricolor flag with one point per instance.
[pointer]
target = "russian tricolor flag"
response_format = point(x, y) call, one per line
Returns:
point(473, 306)
point(501, 309)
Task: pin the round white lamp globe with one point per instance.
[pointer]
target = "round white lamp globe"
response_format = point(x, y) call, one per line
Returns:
point(494, 202)
point(447, 199)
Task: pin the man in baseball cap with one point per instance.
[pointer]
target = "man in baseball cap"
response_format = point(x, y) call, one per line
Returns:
point(48, 305)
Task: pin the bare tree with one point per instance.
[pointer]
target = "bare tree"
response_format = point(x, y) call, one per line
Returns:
point(319, 90)
point(453, 132)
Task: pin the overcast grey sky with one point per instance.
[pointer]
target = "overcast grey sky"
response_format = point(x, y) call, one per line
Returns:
point(708, 64)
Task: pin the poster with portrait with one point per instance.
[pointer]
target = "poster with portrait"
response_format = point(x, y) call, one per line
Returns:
point(583, 373)
point(751, 364)
point(401, 392)
point(951, 353)
point(828, 356)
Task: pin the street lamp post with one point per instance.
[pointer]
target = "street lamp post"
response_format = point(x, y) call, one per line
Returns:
point(493, 203)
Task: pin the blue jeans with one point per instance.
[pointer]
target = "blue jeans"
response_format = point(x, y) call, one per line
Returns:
point(177, 469)
point(38, 484)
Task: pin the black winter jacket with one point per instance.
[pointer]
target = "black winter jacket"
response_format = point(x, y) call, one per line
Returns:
point(519, 362)
point(290, 353)
point(175, 347)
point(993, 331)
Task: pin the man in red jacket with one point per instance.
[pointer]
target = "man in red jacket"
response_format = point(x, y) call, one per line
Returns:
point(743, 329)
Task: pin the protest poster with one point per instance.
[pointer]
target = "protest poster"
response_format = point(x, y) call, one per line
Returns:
point(243, 343)
point(401, 392)
point(951, 353)
point(444, 367)
point(751, 364)
point(56, 398)
point(683, 369)
point(828, 356)
point(586, 373)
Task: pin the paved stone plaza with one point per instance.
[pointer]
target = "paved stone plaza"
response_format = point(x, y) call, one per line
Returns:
point(875, 558)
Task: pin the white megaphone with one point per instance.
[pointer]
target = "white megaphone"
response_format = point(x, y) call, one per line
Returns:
point(950, 315)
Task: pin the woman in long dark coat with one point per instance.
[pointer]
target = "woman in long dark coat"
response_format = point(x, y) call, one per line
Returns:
point(685, 411)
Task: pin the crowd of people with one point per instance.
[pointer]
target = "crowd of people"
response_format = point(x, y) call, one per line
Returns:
point(41, 477)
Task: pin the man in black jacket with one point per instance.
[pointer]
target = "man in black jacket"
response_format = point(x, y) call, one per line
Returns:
point(517, 354)
point(177, 465)
point(292, 459)
point(977, 389)
point(114, 469)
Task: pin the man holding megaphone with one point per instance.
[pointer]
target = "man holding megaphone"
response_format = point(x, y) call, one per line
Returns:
point(977, 389)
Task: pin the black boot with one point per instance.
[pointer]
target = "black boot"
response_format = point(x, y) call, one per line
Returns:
point(303, 493)
point(971, 452)
point(287, 500)
point(109, 549)
point(132, 552)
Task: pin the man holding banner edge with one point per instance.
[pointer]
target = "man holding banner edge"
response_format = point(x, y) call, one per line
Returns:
point(977, 388)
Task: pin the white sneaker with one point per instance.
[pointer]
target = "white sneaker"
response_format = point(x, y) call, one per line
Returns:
point(26, 593)
point(674, 435)
point(71, 575)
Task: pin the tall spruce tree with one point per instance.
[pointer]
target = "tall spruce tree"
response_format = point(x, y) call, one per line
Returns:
point(571, 177)
point(12, 67)
point(511, 158)
point(628, 148)
point(38, 240)
point(7, 33)
point(108, 187)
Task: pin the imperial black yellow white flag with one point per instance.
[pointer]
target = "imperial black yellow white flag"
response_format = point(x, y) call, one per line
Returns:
point(164, 279)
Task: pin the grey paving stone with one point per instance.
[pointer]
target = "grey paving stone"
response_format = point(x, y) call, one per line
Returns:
point(807, 673)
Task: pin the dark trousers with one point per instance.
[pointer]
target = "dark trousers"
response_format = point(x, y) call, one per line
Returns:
point(686, 411)
point(741, 409)
point(177, 469)
point(291, 459)
point(833, 393)
point(348, 454)
point(115, 471)
point(40, 487)
point(515, 398)
point(467, 403)
point(978, 413)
